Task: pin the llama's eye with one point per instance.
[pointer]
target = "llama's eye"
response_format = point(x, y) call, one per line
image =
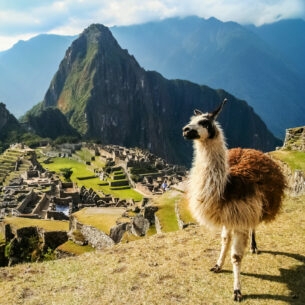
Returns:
point(204, 123)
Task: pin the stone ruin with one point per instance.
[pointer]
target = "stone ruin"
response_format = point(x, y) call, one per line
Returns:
point(37, 193)
point(164, 176)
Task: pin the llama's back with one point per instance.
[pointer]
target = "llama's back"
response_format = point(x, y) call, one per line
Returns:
point(251, 169)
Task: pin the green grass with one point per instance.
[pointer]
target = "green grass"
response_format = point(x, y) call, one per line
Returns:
point(166, 211)
point(101, 218)
point(71, 247)
point(184, 211)
point(81, 170)
point(294, 159)
point(48, 225)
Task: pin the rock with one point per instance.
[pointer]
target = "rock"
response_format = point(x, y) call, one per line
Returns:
point(149, 213)
point(117, 232)
point(140, 225)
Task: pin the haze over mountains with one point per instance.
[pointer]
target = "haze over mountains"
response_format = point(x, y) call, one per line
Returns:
point(27, 69)
point(263, 65)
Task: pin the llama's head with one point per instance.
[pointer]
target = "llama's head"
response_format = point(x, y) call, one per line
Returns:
point(202, 126)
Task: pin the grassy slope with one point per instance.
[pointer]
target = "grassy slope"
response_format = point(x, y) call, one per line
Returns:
point(294, 159)
point(170, 268)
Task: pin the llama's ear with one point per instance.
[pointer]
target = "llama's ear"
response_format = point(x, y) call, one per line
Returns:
point(197, 112)
point(216, 112)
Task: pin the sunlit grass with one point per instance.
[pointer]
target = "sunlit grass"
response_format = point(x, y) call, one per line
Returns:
point(82, 170)
point(72, 248)
point(294, 159)
point(101, 218)
point(48, 225)
point(166, 211)
point(170, 268)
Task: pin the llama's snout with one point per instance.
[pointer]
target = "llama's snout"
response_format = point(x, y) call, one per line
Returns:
point(190, 133)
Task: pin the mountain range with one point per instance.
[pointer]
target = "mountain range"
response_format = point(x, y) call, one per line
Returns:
point(263, 65)
point(105, 95)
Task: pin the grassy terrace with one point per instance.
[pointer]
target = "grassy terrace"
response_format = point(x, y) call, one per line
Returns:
point(47, 225)
point(80, 169)
point(7, 165)
point(101, 218)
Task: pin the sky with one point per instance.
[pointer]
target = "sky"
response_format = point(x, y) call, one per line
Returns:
point(23, 19)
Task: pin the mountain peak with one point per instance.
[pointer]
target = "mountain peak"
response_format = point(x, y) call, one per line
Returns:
point(106, 95)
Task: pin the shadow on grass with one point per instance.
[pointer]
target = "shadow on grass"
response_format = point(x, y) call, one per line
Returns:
point(293, 278)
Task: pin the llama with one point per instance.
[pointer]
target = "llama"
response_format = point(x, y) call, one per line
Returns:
point(230, 189)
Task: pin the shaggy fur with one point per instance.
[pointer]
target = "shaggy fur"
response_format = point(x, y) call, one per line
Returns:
point(235, 189)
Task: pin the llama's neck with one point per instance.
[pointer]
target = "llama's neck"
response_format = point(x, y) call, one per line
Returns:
point(209, 173)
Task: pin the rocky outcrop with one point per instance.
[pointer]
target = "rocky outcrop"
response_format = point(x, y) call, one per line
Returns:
point(117, 232)
point(295, 139)
point(140, 225)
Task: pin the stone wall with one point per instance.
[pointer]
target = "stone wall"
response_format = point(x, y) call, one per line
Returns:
point(41, 204)
point(29, 244)
point(96, 238)
point(92, 236)
point(25, 202)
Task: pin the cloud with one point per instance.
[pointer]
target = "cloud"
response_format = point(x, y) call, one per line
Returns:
point(24, 18)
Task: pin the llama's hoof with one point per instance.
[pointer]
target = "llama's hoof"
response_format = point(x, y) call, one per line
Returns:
point(237, 296)
point(216, 269)
point(254, 251)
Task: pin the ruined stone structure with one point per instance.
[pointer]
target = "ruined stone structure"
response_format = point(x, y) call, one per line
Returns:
point(295, 139)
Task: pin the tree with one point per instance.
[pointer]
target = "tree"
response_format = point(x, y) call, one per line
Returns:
point(66, 172)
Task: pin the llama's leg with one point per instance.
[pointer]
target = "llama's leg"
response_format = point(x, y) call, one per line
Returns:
point(225, 244)
point(239, 243)
point(253, 245)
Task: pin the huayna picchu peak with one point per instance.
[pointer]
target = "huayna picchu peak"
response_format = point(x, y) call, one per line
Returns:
point(107, 96)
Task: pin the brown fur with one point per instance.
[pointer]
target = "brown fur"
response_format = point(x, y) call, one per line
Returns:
point(250, 169)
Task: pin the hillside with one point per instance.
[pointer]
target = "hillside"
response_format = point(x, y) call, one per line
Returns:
point(107, 96)
point(10, 129)
point(170, 268)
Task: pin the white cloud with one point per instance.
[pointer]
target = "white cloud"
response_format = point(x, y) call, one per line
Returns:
point(22, 18)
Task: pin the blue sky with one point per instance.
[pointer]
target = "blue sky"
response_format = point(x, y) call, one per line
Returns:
point(23, 19)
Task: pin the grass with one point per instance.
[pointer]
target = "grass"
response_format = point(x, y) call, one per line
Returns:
point(184, 211)
point(47, 225)
point(101, 218)
point(166, 211)
point(170, 268)
point(81, 170)
point(294, 159)
point(72, 248)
